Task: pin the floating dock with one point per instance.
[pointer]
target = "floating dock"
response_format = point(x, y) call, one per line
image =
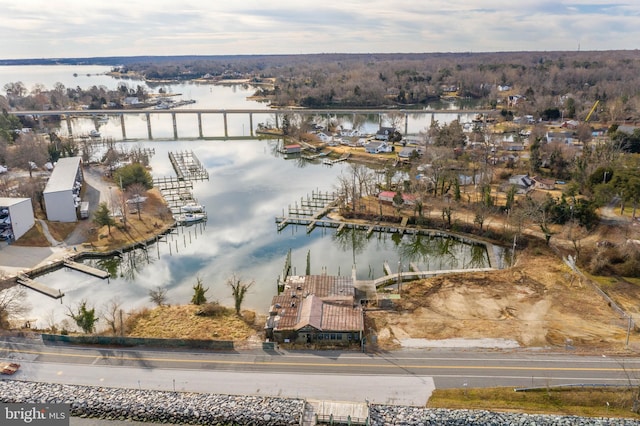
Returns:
point(187, 166)
point(39, 287)
point(330, 162)
point(86, 269)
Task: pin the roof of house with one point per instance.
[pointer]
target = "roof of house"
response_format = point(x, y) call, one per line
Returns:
point(323, 302)
point(64, 175)
point(374, 145)
point(544, 181)
point(523, 180)
point(385, 130)
point(407, 151)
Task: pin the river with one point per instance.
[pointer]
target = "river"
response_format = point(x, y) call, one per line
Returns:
point(249, 185)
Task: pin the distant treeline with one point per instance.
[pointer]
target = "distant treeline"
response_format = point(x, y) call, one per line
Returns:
point(524, 83)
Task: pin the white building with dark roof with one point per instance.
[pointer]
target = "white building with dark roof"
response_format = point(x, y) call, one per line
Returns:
point(62, 193)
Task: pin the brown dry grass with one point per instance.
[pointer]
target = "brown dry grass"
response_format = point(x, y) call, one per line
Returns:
point(34, 237)
point(181, 322)
point(154, 219)
point(60, 230)
point(584, 402)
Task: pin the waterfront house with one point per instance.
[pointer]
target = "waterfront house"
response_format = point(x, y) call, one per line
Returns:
point(376, 147)
point(131, 100)
point(384, 133)
point(317, 309)
point(324, 137)
point(408, 151)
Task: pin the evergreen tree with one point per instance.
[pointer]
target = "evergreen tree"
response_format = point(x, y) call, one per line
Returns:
point(199, 291)
point(102, 217)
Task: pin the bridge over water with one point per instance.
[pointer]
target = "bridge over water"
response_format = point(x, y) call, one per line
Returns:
point(401, 114)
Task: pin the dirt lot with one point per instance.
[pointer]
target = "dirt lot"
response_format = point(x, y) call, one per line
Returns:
point(539, 302)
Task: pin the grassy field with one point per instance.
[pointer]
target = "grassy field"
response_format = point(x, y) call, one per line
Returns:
point(584, 402)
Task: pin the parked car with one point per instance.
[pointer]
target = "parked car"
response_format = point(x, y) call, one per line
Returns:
point(9, 367)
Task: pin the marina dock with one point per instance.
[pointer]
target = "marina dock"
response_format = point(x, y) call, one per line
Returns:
point(39, 287)
point(86, 269)
point(187, 166)
point(330, 162)
point(177, 190)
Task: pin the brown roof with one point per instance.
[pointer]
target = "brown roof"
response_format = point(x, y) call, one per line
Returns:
point(323, 302)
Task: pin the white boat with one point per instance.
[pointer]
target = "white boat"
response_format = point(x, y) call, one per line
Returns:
point(192, 208)
point(190, 217)
point(137, 199)
point(94, 134)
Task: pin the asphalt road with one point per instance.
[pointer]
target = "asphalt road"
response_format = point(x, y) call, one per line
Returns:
point(402, 377)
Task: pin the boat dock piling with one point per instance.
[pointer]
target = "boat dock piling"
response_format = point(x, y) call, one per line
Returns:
point(370, 231)
point(282, 225)
point(386, 267)
point(310, 226)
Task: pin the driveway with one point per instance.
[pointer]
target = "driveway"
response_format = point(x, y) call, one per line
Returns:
point(96, 191)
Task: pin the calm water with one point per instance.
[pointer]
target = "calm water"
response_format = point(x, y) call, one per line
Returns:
point(250, 184)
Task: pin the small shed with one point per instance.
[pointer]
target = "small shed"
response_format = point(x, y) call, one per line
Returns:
point(292, 149)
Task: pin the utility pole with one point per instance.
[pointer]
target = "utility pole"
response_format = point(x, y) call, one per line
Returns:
point(399, 275)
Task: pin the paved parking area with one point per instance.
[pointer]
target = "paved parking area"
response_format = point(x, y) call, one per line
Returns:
point(14, 259)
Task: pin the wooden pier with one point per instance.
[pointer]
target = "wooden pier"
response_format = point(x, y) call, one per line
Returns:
point(39, 287)
point(391, 279)
point(330, 162)
point(175, 192)
point(86, 269)
point(370, 231)
point(187, 166)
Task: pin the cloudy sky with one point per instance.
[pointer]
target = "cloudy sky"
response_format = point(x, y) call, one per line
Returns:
point(81, 28)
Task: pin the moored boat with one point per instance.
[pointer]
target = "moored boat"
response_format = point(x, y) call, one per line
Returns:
point(192, 207)
point(188, 218)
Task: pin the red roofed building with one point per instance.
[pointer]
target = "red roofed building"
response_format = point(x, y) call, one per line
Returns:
point(387, 197)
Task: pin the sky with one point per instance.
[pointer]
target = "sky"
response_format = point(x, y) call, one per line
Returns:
point(97, 28)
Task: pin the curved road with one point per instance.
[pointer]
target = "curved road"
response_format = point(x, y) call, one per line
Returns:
point(403, 377)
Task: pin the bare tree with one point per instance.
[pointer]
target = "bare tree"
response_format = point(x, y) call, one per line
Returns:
point(158, 295)
point(28, 153)
point(112, 314)
point(135, 192)
point(239, 289)
point(12, 304)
